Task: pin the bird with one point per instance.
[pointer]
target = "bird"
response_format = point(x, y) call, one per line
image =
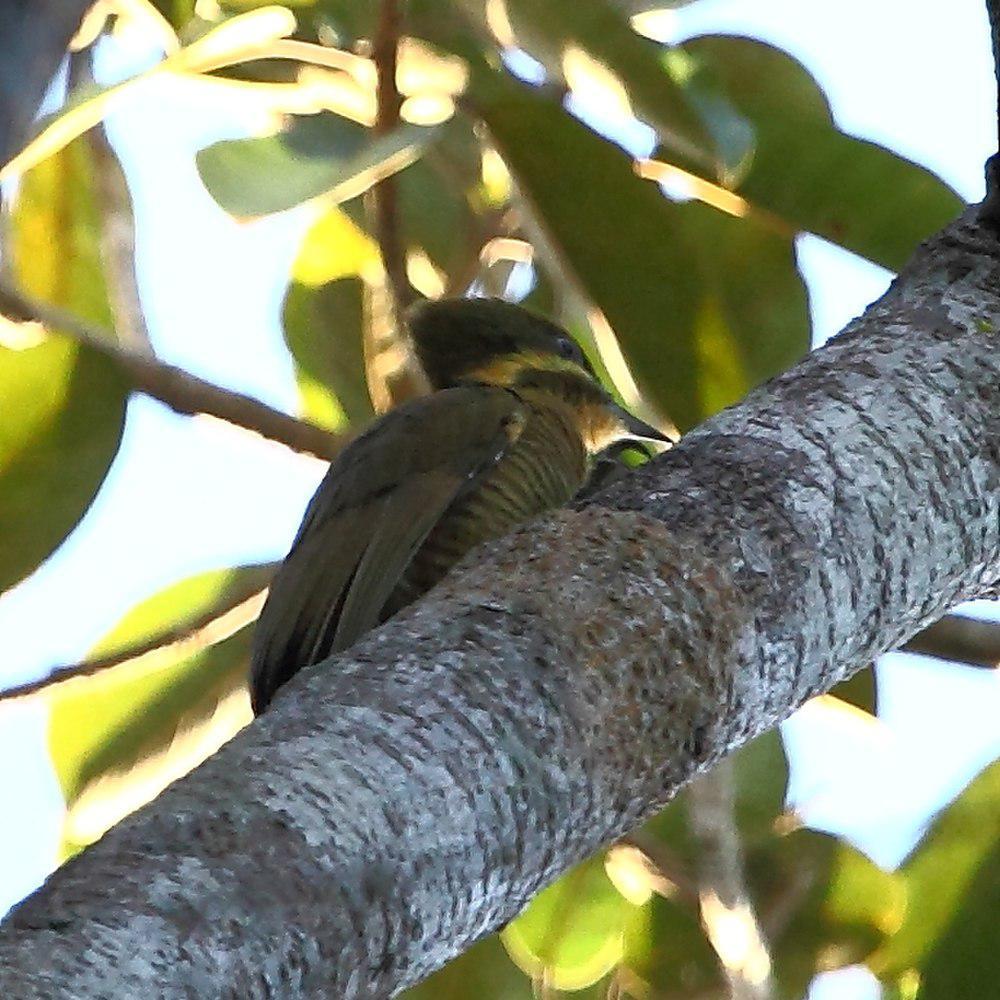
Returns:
point(515, 424)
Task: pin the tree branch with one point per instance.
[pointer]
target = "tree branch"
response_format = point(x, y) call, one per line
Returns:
point(178, 389)
point(993, 12)
point(385, 194)
point(400, 800)
point(989, 211)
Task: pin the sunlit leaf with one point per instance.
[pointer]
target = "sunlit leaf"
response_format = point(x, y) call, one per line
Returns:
point(941, 876)
point(323, 320)
point(814, 177)
point(592, 38)
point(318, 155)
point(62, 404)
point(119, 737)
point(233, 39)
point(572, 933)
point(704, 305)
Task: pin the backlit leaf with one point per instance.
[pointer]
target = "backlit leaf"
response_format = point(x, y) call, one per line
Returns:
point(572, 933)
point(942, 874)
point(317, 155)
point(62, 405)
point(593, 38)
point(813, 176)
point(705, 305)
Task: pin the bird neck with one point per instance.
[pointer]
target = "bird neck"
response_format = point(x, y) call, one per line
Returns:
point(558, 384)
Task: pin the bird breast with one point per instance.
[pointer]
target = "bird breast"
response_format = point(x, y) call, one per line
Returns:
point(544, 469)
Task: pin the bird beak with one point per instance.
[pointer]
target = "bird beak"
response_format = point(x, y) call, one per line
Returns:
point(638, 428)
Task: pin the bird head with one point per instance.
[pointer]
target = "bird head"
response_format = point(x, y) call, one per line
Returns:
point(492, 342)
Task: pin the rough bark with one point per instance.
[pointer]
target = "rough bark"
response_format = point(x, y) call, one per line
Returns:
point(412, 794)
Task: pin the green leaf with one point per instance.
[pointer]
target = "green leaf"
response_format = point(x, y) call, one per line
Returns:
point(323, 320)
point(119, 737)
point(63, 405)
point(760, 770)
point(667, 948)
point(753, 318)
point(704, 305)
point(435, 215)
point(941, 876)
point(824, 904)
point(640, 6)
point(324, 330)
point(572, 933)
point(811, 175)
point(692, 117)
point(861, 691)
point(177, 12)
point(965, 961)
point(321, 154)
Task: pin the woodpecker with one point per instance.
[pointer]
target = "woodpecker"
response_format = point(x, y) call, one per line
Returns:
point(515, 424)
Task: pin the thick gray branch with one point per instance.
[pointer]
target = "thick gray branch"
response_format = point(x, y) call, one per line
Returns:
point(404, 799)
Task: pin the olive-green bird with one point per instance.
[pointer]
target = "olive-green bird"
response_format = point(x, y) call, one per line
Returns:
point(513, 428)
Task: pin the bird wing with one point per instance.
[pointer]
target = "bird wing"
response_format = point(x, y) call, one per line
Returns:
point(378, 502)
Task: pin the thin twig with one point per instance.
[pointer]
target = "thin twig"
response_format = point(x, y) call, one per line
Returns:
point(178, 389)
point(666, 863)
point(725, 902)
point(385, 194)
point(219, 622)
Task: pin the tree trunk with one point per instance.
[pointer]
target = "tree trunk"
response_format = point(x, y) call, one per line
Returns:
point(404, 798)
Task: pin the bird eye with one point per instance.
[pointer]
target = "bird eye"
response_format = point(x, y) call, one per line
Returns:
point(567, 348)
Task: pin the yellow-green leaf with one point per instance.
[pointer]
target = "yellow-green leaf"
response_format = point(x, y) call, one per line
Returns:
point(62, 405)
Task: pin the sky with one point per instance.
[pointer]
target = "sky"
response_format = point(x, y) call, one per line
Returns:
point(187, 495)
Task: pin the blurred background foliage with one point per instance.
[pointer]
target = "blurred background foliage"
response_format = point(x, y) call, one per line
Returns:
point(436, 148)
